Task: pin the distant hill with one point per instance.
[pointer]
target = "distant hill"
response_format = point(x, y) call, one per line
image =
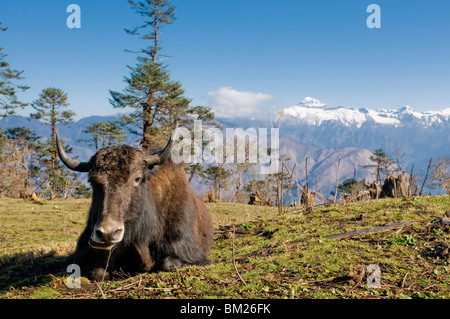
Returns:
point(314, 131)
point(419, 135)
point(71, 134)
point(323, 134)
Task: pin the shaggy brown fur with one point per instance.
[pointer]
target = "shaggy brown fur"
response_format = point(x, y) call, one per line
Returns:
point(166, 225)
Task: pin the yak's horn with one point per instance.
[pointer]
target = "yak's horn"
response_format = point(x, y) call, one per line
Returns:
point(70, 162)
point(163, 155)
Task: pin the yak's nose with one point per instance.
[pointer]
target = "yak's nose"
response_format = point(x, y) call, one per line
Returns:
point(106, 235)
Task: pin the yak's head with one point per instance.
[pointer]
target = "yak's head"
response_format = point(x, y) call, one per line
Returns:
point(118, 176)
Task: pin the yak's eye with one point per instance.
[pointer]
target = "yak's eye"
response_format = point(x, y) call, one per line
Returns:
point(137, 180)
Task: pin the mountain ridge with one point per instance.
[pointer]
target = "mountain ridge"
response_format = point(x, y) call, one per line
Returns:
point(314, 112)
point(322, 142)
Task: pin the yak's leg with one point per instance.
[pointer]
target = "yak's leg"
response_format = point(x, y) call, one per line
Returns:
point(146, 259)
point(92, 263)
point(183, 253)
point(172, 264)
point(99, 274)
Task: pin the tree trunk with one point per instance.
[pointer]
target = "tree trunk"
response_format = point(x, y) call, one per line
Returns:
point(215, 188)
point(55, 152)
point(155, 49)
point(378, 174)
point(96, 143)
point(239, 183)
point(194, 170)
point(219, 198)
point(337, 180)
point(146, 113)
point(426, 176)
point(146, 122)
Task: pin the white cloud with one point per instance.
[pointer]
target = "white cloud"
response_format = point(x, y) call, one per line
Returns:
point(230, 103)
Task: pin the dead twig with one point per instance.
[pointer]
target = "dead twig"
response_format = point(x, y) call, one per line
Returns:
point(429, 287)
point(404, 280)
point(370, 231)
point(234, 259)
point(360, 279)
point(127, 286)
point(165, 289)
point(100, 289)
point(107, 263)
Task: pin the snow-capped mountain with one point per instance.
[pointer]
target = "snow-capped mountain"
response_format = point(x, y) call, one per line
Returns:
point(324, 133)
point(321, 133)
point(405, 134)
point(313, 112)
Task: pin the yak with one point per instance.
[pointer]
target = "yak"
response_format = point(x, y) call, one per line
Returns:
point(143, 217)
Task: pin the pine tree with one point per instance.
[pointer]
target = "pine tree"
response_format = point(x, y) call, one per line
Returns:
point(351, 186)
point(382, 163)
point(95, 131)
point(112, 134)
point(157, 13)
point(8, 88)
point(54, 181)
point(103, 134)
point(22, 136)
point(51, 109)
point(207, 118)
point(158, 102)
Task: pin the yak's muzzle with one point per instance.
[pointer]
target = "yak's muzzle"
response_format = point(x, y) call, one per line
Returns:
point(106, 234)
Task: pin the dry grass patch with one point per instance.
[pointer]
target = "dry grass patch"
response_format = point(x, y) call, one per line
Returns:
point(278, 256)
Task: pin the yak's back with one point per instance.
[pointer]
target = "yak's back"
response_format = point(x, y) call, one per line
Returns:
point(177, 203)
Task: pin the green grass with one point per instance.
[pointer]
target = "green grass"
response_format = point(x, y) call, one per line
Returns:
point(277, 256)
point(28, 226)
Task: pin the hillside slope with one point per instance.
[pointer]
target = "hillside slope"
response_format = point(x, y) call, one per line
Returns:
point(277, 256)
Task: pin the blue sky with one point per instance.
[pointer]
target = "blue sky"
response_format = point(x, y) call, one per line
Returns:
point(241, 56)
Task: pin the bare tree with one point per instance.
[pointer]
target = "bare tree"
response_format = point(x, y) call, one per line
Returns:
point(337, 179)
point(13, 172)
point(426, 176)
point(441, 174)
point(237, 172)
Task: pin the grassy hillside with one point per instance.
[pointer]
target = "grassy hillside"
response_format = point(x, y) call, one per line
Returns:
point(277, 256)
